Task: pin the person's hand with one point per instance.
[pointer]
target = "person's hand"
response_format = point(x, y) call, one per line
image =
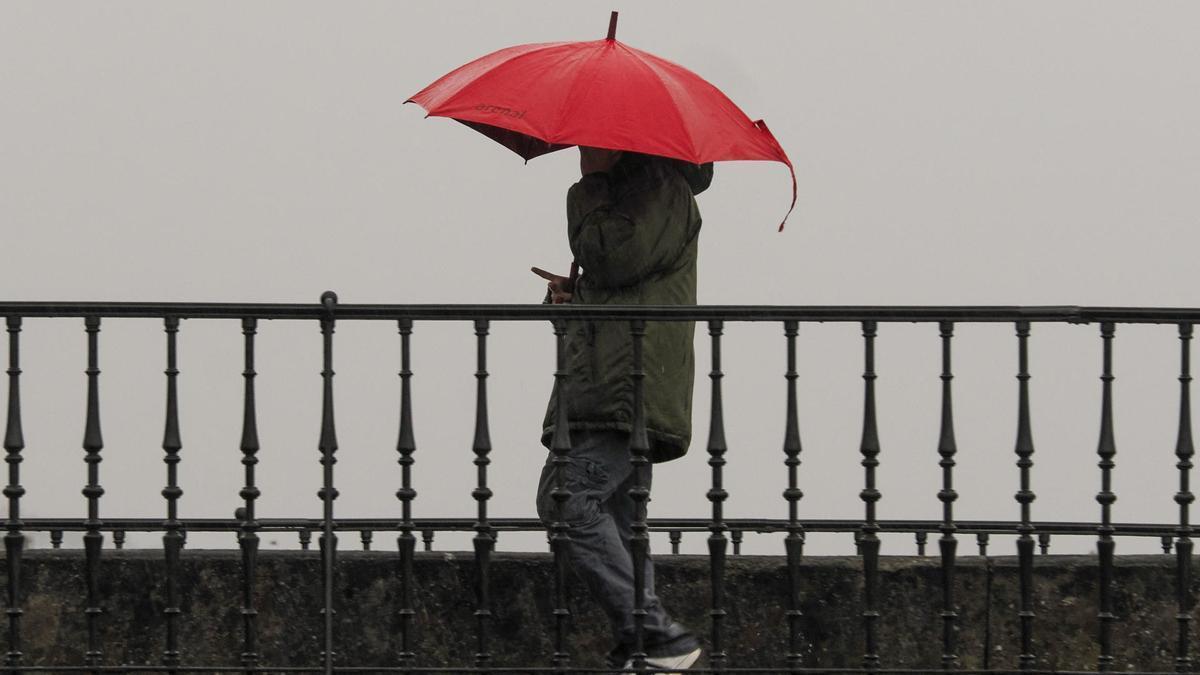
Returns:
point(597, 160)
point(560, 288)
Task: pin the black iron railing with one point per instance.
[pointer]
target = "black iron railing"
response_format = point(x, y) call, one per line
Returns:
point(722, 530)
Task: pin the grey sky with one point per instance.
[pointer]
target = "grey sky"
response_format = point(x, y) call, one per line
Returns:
point(946, 152)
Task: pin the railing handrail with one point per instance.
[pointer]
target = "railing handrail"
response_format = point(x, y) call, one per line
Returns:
point(466, 523)
point(533, 312)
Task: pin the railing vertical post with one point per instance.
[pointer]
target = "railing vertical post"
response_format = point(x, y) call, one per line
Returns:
point(947, 544)
point(1107, 450)
point(483, 530)
point(869, 449)
point(717, 542)
point(639, 449)
point(1184, 451)
point(328, 447)
point(248, 534)
point(560, 540)
point(172, 539)
point(794, 542)
point(1025, 497)
point(14, 539)
point(93, 442)
point(406, 445)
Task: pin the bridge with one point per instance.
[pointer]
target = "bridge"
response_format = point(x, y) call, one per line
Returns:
point(385, 609)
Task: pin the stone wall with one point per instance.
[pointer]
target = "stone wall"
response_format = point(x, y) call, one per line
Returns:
point(290, 622)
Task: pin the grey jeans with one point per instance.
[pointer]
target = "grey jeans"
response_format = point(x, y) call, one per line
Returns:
point(599, 514)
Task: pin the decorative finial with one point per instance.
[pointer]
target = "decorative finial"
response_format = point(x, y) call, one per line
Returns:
point(329, 300)
point(612, 26)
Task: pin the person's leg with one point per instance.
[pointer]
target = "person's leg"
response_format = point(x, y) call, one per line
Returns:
point(663, 637)
point(598, 466)
point(620, 506)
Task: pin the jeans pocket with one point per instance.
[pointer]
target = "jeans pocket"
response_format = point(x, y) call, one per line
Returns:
point(583, 478)
point(585, 475)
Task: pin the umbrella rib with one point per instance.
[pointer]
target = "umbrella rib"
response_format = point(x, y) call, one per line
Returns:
point(514, 52)
point(659, 79)
point(448, 100)
point(731, 112)
point(570, 101)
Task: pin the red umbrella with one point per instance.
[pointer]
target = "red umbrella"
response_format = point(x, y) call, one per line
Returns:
point(538, 98)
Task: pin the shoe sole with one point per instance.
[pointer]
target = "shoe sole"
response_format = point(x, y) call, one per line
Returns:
point(682, 662)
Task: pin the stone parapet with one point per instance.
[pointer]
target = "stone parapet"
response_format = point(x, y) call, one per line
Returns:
point(367, 621)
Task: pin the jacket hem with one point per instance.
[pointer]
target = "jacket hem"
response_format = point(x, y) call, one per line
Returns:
point(664, 446)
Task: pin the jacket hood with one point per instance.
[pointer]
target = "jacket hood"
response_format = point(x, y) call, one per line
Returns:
point(698, 176)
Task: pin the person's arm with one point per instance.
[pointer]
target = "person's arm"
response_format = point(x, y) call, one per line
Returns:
point(620, 239)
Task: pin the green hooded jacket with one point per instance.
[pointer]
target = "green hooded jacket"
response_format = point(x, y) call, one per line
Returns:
point(634, 233)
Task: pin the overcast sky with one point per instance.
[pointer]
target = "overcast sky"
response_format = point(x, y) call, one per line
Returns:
point(1015, 153)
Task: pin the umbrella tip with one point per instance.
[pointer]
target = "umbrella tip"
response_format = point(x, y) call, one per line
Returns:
point(612, 26)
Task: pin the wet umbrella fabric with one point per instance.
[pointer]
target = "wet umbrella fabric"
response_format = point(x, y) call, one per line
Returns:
point(539, 98)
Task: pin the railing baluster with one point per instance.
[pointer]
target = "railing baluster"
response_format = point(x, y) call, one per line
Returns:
point(869, 448)
point(717, 447)
point(1107, 450)
point(328, 447)
point(1184, 451)
point(93, 442)
point(989, 579)
point(171, 537)
point(14, 540)
point(639, 449)
point(406, 445)
point(947, 544)
point(248, 532)
point(560, 539)
point(794, 542)
point(482, 540)
point(1025, 497)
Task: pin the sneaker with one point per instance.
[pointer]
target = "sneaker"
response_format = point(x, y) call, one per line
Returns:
point(676, 648)
point(669, 663)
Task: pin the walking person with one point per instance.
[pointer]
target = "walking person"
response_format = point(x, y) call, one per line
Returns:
point(633, 226)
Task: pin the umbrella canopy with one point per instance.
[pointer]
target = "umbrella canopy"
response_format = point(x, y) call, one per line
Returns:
point(538, 98)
